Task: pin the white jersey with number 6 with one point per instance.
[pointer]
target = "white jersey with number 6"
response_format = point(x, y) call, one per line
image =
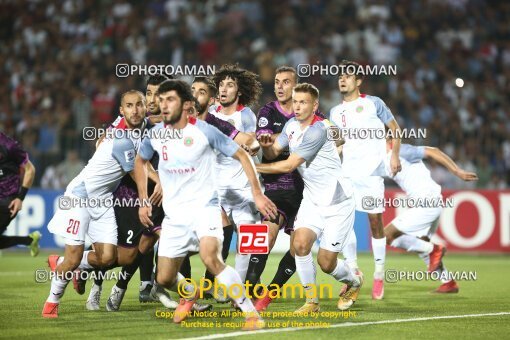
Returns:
point(186, 166)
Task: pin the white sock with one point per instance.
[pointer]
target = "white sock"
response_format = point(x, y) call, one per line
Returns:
point(350, 251)
point(445, 275)
point(57, 289)
point(412, 244)
point(305, 267)
point(241, 265)
point(84, 264)
point(235, 288)
point(343, 273)
point(379, 250)
point(425, 257)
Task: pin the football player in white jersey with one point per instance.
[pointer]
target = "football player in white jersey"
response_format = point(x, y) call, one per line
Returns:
point(192, 220)
point(237, 89)
point(413, 229)
point(204, 90)
point(327, 209)
point(358, 117)
point(75, 218)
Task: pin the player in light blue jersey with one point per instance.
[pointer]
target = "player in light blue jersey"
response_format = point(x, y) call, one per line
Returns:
point(413, 229)
point(96, 183)
point(327, 209)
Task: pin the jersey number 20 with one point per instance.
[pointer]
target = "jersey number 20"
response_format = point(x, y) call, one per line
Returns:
point(73, 227)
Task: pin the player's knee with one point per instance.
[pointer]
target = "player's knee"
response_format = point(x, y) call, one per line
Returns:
point(146, 244)
point(213, 265)
point(272, 241)
point(327, 266)
point(166, 280)
point(130, 257)
point(375, 222)
point(389, 238)
point(71, 262)
point(72, 259)
point(107, 259)
point(301, 247)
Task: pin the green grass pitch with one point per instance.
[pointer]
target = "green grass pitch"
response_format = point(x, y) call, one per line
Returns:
point(21, 301)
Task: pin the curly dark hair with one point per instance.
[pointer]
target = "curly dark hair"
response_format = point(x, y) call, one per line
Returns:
point(248, 82)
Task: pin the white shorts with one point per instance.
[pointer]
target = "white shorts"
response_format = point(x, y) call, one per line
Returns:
point(239, 204)
point(181, 234)
point(418, 221)
point(332, 224)
point(73, 224)
point(368, 190)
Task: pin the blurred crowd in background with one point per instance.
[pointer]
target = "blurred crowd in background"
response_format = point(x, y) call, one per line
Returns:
point(58, 58)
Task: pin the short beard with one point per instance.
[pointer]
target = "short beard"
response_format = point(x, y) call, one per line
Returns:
point(202, 109)
point(133, 126)
point(227, 104)
point(174, 120)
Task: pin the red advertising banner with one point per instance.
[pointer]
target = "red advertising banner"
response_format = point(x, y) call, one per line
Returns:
point(478, 220)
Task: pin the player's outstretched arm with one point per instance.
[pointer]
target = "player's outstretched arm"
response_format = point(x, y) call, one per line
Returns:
point(249, 141)
point(443, 159)
point(264, 204)
point(395, 156)
point(28, 175)
point(140, 175)
point(270, 147)
point(281, 167)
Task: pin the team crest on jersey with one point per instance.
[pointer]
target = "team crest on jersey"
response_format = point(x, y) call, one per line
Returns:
point(188, 141)
point(129, 155)
point(232, 122)
point(263, 122)
point(359, 109)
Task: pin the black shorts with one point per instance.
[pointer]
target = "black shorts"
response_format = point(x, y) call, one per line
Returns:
point(5, 214)
point(130, 229)
point(287, 202)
